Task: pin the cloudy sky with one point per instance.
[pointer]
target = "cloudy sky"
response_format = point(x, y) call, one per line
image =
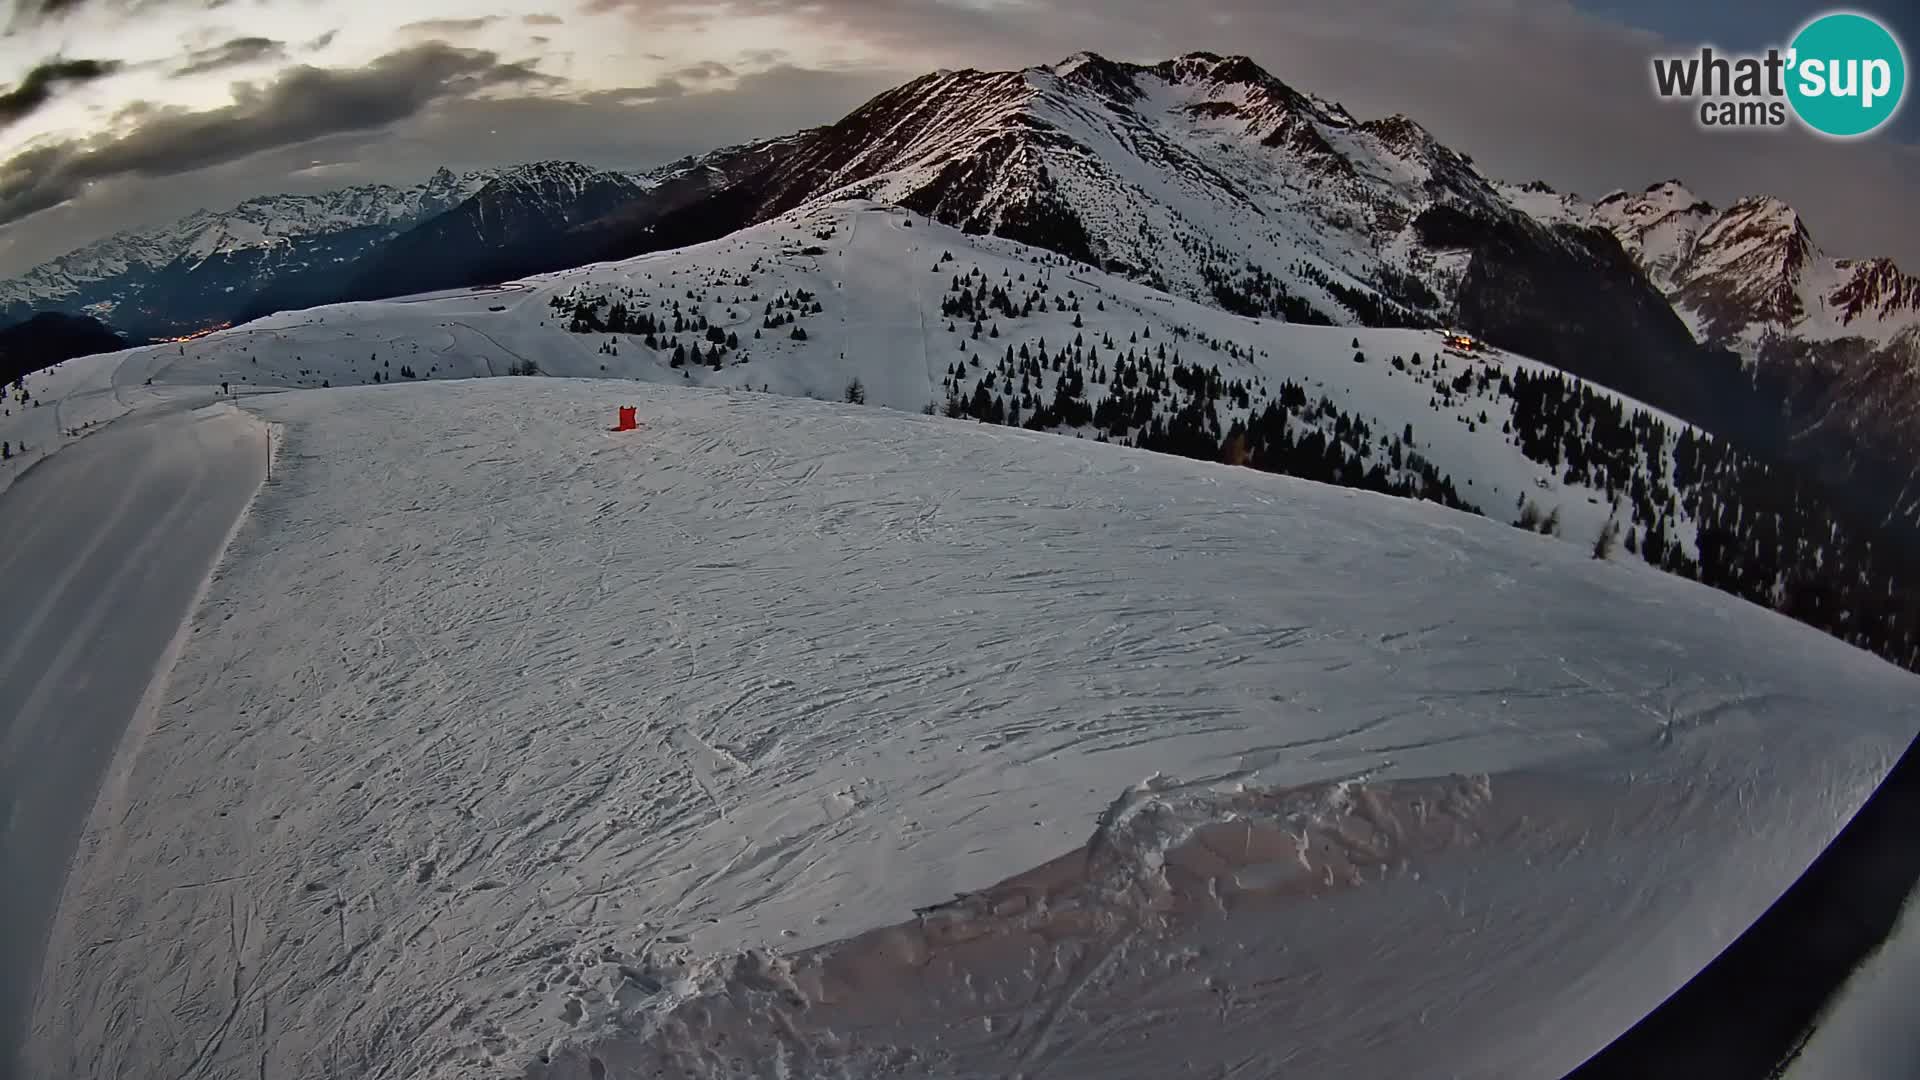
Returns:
point(116, 113)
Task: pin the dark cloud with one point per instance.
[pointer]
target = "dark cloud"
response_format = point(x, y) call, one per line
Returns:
point(300, 105)
point(26, 13)
point(542, 18)
point(658, 90)
point(446, 28)
point(704, 71)
point(42, 9)
point(322, 41)
point(239, 51)
point(622, 129)
point(910, 28)
point(40, 85)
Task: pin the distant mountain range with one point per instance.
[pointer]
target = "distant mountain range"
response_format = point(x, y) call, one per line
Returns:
point(278, 252)
point(202, 270)
point(1204, 176)
point(1829, 347)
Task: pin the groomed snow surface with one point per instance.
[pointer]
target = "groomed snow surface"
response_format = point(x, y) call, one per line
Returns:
point(506, 745)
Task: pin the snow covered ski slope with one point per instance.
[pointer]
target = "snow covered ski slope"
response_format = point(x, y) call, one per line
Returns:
point(505, 745)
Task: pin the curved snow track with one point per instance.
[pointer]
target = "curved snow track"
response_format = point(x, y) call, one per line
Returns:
point(107, 546)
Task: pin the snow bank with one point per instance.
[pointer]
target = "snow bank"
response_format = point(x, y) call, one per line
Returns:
point(1169, 944)
point(502, 737)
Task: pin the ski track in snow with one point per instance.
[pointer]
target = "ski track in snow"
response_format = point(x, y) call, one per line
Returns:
point(500, 736)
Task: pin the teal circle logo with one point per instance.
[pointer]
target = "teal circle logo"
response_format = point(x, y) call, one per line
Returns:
point(1846, 74)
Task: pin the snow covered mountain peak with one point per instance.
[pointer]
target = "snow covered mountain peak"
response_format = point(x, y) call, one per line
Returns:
point(1751, 270)
point(1766, 230)
point(1768, 221)
point(135, 278)
point(1074, 63)
point(446, 187)
point(1665, 197)
point(1546, 204)
point(1740, 268)
point(1876, 289)
point(1745, 273)
point(1658, 225)
point(1202, 174)
point(555, 184)
point(549, 171)
point(1209, 83)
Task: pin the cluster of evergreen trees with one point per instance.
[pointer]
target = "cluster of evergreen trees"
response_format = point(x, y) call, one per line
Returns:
point(685, 334)
point(406, 372)
point(1244, 287)
point(1253, 291)
point(1370, 308)
point(970, 298)
point(787, 310)
point(1154, 399)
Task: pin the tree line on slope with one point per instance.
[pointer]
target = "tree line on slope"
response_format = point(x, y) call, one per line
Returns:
point(1169, 406)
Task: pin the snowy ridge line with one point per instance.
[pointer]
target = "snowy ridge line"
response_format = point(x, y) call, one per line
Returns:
point(826, 297)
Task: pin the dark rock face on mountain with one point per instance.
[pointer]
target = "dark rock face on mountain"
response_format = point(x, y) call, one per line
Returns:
point(526, 220)
point(1203, 175)
point(1576, 301)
